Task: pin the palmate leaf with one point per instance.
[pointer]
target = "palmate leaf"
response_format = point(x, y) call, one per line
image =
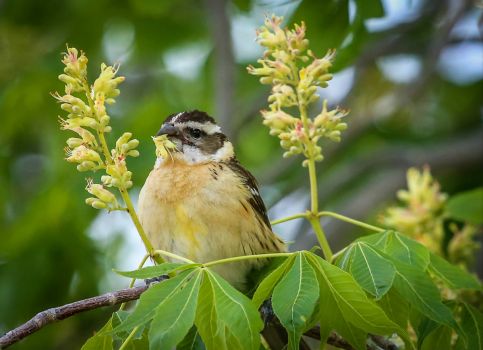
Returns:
point(265, 288)
point(453, 276)
point(174, 318)
point(345, 308)
point(294, 299)
point(411, 262)
point(225, 318)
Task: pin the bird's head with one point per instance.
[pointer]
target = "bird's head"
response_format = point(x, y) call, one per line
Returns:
point(197, 137)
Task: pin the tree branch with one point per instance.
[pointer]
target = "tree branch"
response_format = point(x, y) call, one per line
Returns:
point(55, 314)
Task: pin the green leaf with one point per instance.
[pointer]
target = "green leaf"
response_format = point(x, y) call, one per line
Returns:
point(153, 271)
point(225, 318)
point(102, 340)
point(395, 307)
point(452, 275)
point(175, 317)
point(345, 307)
point(148, 302)
point(472, 326)
point(373, 272)
point(265, 288)
point(440, 339)
point(417, 288)
point(294, 299)
point(192, 341)
point(467, 206)
point(400, 247)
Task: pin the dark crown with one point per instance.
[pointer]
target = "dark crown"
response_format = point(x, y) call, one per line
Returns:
point(195, 116)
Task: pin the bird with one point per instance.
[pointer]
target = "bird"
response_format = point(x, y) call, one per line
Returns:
point(202, 204)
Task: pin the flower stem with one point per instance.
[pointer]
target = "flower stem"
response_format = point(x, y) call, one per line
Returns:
point(319, 232)
point(124, 193)
point(350, 221)
point(246, 257)
point(288, 218)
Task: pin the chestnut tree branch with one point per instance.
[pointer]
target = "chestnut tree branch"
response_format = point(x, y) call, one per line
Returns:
point(55, 314)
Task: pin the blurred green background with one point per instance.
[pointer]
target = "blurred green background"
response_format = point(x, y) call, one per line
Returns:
point(411, 71)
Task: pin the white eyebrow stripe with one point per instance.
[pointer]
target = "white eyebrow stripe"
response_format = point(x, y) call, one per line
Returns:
point(208, 127)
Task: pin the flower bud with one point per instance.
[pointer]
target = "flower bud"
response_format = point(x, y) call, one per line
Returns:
point(133, 153)
point(74, 142)
point(100, 192)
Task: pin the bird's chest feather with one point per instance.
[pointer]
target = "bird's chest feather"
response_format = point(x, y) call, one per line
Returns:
point(194, 210)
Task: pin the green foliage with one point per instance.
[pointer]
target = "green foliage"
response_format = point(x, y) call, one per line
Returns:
point(467, 206)
point(38, 232)
point(294, 299)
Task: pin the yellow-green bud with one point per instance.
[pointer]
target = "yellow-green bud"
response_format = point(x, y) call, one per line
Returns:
point(74, 142)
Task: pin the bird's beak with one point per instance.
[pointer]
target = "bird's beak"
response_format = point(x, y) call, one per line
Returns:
point(168, 129)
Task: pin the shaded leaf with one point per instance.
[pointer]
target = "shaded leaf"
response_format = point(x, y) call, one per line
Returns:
point(192, 341)
point(439, 339)
point(452, 275)
point(395, 307)
point(472, 327)
point(265, 288)
point(467, 206)
point(294, 299)
point(417, 288)
point(175, 317)
point(102, 340)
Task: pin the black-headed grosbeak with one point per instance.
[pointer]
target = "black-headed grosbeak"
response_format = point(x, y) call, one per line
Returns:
point(202, 204)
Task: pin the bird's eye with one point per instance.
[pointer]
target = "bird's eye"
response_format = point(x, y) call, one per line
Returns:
point(196, 133)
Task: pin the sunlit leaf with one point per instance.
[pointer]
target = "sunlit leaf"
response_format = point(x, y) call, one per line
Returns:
point(265, 288)
point(294, 299)
point(174, 318)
